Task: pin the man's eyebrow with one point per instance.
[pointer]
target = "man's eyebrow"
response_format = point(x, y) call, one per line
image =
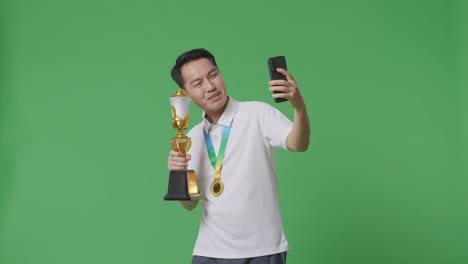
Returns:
point(195, 80)
point(212, 70)
point(209, 73)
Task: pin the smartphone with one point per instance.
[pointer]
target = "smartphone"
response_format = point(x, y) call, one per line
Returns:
point(273, 64)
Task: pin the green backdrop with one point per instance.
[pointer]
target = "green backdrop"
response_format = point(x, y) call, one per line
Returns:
point(85, 126)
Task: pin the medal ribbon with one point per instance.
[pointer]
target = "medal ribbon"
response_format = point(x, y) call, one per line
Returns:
point(217, 162)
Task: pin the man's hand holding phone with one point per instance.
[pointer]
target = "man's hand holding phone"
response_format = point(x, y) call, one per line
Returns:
point(283, 85)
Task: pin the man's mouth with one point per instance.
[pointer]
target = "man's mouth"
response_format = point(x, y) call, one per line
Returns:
point(214, 96)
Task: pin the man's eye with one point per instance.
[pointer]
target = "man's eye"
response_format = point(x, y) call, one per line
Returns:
point(197, 85)
point(212, 76)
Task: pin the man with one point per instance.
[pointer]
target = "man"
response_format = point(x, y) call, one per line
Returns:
point(233, 156)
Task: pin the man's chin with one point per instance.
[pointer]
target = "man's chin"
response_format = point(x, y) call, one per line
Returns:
point(219, 103)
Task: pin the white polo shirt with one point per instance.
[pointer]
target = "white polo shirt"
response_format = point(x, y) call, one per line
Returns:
point(244, 221)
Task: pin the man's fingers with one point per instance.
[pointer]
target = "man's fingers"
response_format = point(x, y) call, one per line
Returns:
point(175, 164)
point(175, 154)
point(278, 82)
point(285, 73)
point(177, 160)
point(283, 89)
point(290, 83)
point(178, 154)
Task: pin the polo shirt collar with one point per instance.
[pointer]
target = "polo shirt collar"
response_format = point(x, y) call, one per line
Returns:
point(226, 117)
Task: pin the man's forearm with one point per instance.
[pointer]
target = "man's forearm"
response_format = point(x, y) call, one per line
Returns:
point(299, 137)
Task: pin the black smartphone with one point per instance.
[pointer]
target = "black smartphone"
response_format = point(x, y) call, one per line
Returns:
point(273, 64)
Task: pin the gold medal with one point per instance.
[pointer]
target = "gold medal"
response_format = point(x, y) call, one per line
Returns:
point(217, 187)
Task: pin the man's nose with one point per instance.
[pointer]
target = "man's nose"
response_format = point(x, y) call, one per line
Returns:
point(210, 85)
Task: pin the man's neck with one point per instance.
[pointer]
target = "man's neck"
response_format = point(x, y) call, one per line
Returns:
point(213, 119)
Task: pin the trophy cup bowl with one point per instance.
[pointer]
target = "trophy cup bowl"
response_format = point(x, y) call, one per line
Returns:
point(182, 183)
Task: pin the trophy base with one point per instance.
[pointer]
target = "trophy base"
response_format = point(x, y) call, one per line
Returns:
point(182, 186)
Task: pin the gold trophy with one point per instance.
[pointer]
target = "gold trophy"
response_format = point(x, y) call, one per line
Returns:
point(182, 183)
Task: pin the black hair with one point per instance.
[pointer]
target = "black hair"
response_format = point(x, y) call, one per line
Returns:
point(187, 57)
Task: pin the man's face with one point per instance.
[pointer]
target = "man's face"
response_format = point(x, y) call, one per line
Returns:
point(205, 86)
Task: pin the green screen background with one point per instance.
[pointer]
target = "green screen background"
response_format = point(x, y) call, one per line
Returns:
point(85, 126)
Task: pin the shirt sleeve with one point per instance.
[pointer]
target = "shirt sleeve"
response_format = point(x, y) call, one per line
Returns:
point(275, 125)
